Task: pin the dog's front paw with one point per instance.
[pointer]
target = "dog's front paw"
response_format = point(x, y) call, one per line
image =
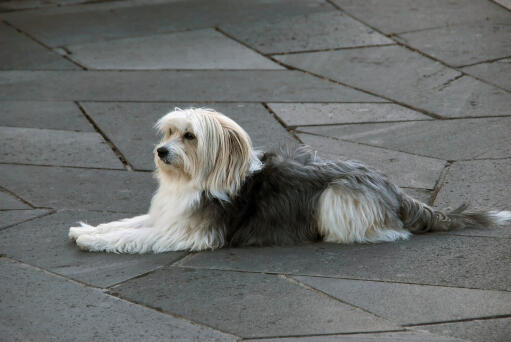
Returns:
point(76, 232)
point(90, 243)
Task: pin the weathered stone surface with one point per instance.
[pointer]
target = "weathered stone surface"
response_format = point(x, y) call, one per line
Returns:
point(11, 217)
point(119, 119)
point(93, 22)
point(495, 72)
point(190, 86)
point(52, 147)
point(464, 44)
point(9, 202)
point(422, 195)
point(402, 168)
point(70, 188)
point(39, 114)
point(402, 336)
point(248, 305)
point(20, 52)
point(302, 114)
point(482, 183)
point(450, 140)
point(316, 31)
point(38, 306)
point(392, 16)
point(431, 259)
point(488, 330)
point(14, 5)
point(44, 242)
point(430, 303)
point(201, 49)
point(407, 77)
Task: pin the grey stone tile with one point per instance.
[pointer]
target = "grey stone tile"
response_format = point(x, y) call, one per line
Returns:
point(52, 147)
point(430, 259)
point(399, 16)
point(316, 31)
point(482, 183)
point(430, 303)
point(119, 119)
point(402, 168)
point(20, 52)
point(248, 305)
point(16, 5)
point(407, 77)
point(444, 139)
point(464, 44)
point(195, 85)
point(488, 330)
point(10, 217)
point(38, 306)
point(495, 72)
point(401, 336)
point(68, 188)
point(201, 49)
point(44, 243)
point(93, 22)
point(301, 114)
point(9, 202)
point(38, 114)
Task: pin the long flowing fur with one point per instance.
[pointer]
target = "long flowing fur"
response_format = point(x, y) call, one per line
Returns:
point(216, 191)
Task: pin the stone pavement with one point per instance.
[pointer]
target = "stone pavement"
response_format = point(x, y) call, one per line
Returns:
point(419, 89)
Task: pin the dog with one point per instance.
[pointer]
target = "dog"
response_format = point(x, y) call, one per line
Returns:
point(216, 191)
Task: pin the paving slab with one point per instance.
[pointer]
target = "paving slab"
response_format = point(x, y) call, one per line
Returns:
point(70, 188)
point(190, 86)
point(9, 202)
point(52, 147)
point(430, 259)
point(316, 31)
point(44, 243)
point(393, 16)
point(201, 49)
point(248, 305)
point(38, 306)
point(493, 72)
point(401, 336)
point(404, 169)
point(463, 44)
point(488, 330)
point(93, 22)
point(39, 114)
point(17, 51)
point(483, 183)
point(118, 120)
point(406, 77)
point(12, 217)
point(302, 114)
point(465, 139)
point(430, 303)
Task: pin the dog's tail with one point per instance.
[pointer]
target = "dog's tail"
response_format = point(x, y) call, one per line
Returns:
point(418, 217)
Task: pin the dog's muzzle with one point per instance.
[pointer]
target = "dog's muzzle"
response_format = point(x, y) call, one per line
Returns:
point(164, 154)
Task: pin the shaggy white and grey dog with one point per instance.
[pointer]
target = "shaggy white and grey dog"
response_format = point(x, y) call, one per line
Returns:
point(216, 191)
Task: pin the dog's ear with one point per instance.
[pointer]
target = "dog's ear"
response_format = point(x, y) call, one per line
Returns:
point(233, 159)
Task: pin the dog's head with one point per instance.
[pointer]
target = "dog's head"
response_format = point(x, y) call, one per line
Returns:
point(206, 148)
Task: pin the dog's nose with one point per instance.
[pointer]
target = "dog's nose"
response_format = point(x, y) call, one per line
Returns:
point(162, 152)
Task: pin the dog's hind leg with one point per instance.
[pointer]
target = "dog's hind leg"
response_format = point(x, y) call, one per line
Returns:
point(129, 223)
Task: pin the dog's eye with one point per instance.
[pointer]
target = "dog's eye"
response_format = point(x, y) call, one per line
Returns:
point(170, 131)
point(189, 136)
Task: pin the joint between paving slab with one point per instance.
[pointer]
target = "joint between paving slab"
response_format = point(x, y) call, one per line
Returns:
point(406, 46)
point(29, 36)
point(51, 212)
point(66, 166)
point(3, 189)
point(499, 4)
point(329, 50)
point(326, 334)
point(281, 122)
point(114, 148)
point(296, 127)
point(484, 318)
point(493, 60)
point(440, 181)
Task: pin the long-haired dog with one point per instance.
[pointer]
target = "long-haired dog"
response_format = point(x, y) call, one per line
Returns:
point(216, 191)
